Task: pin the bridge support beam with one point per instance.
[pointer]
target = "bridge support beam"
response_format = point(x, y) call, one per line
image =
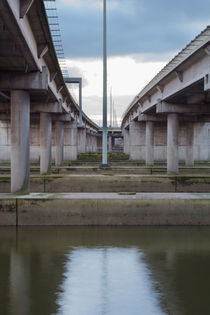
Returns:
point(20, 135)
point(149, 143)
point(59, 142)
point(189, 144)
point(172, 144)
point(45, 142)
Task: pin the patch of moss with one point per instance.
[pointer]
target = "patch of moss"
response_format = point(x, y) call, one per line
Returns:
point(5, 179)
point(97, 157)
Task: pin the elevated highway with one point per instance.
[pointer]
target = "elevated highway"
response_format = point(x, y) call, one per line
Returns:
point(34, 97)
point(169, 119)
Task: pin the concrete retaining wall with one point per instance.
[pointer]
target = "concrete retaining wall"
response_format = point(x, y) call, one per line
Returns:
point(110, 210)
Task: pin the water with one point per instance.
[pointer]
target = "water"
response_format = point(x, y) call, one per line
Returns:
point(104, 271)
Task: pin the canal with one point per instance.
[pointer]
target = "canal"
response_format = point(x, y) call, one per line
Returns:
point(104, 271)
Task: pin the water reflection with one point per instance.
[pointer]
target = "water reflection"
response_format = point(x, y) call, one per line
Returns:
point(96, 271)
point(107, 281)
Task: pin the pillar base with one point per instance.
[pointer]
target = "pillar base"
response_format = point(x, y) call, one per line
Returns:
point(104, 166)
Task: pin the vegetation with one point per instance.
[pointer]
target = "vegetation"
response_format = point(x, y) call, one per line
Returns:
point(97, 157)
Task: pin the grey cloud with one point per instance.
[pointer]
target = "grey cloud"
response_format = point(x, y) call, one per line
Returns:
point(93, 105)
point(77, 72)
point(154, 57)
point(134, 27)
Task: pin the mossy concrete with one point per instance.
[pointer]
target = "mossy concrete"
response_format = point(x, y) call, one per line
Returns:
point(7, 212)
point(113, 183)
point(93, 168)
point(106, 209)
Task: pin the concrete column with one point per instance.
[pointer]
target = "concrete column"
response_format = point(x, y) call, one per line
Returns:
point(59, 142)
point(172, 143)
point(81, 140)
point(71, 141)
point(126, 146)
point(45, 142)
point(149, 143)
point(95, 144)
point(110, 144)
point(91, 143)
point(20, 141)
point(113, 143)
point(99, 144)
point(88, 143)
point(189, 144)
point(137, 141)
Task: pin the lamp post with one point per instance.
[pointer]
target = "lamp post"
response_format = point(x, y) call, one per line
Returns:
point(104, 140)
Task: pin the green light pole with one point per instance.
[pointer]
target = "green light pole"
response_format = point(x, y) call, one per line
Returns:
point(104, 140)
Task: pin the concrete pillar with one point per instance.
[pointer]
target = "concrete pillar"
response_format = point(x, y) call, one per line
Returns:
point(91, 143)
point(113, 144)
point(45, 142)
point(99, 144)
point(20, 141)
point(149, 143)
point(110, 144)
point(88, 143)
point(172, 143)
point(59, 142)
point(70, 141)
point(126, 146)
point(95, 144)
point(189, 144)
point(81, 140)
point(137, 141)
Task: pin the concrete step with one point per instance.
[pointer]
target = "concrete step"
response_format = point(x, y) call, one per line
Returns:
point(113, 183)
point(94, 169)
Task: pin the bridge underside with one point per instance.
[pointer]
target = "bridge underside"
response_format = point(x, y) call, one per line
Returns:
point(36, 109)
point(173, 130)
point(169, 120)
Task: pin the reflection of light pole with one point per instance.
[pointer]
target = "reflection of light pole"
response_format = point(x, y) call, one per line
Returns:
point(104, 143)
point(79, 81)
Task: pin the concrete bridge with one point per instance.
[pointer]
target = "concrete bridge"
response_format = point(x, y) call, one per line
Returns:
point(37, 112)
point(170, 118)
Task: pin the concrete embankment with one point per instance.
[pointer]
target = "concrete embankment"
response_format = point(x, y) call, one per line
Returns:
point(122, 195)
point(105, 209)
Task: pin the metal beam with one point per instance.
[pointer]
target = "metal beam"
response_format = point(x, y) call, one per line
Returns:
point(104, 139)
point(79, 81)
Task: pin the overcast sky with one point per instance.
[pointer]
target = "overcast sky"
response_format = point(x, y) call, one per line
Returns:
point(143, 35)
